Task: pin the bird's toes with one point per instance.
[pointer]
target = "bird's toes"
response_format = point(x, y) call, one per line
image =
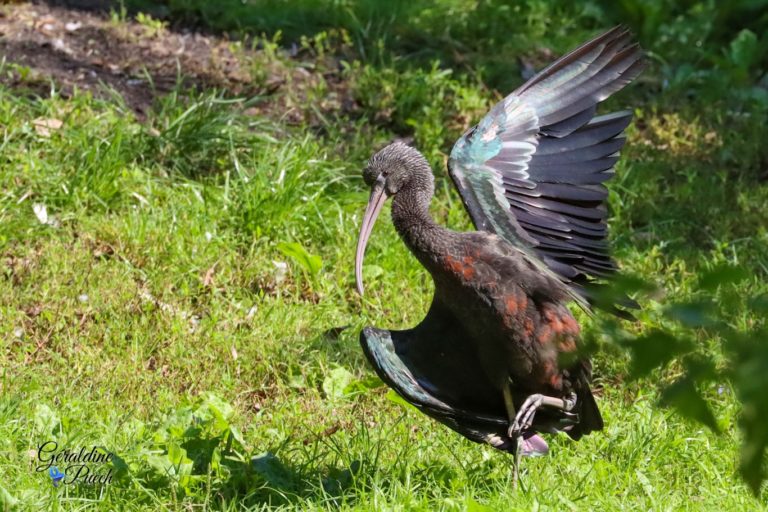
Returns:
point(524, 419)
point(518, 427)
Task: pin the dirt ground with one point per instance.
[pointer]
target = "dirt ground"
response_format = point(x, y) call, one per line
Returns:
point(45, 44)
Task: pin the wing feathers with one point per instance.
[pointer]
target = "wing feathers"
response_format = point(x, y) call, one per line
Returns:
point(593, 152)
point(537, 161)
point(590, 92)
point(590, 213)
point(570, 124)
point(599, 129)
point(565, 192)
point(571, 57)
point(555, 171)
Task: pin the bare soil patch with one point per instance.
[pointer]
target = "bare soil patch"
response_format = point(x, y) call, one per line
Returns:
point(88, 51)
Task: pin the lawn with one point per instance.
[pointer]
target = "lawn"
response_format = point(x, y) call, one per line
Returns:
point(177, 236)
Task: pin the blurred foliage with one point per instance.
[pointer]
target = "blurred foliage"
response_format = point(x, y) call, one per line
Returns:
point(681, 342)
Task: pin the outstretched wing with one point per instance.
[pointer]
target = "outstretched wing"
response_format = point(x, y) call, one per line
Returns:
point(532, 170)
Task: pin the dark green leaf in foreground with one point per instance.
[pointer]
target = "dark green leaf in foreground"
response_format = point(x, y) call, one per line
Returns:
point(685, 398)
point(654, 350)
point(752, 456)
point(744, 49)
point(693, 314)
point(750, 380)
point(722, 275)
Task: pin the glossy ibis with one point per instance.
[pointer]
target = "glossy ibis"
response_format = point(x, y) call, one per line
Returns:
point(490, 360)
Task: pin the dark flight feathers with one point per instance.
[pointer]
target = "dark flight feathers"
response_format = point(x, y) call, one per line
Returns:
point(542, 154)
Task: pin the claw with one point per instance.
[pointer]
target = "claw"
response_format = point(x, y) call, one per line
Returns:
point(524, 417)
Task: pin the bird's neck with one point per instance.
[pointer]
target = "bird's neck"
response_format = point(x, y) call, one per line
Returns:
point(410, 215)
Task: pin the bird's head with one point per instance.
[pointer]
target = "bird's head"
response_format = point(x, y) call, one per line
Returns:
point(395, 168)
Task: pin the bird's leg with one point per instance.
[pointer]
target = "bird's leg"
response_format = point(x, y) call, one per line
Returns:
point(524, 418)
point(516, 462)
point(510, 406)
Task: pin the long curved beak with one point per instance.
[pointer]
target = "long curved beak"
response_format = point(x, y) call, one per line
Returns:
point(375, 203)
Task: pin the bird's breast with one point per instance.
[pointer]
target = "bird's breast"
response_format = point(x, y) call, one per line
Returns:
point(515, 334)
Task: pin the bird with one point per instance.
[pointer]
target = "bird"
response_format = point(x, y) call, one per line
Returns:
point(497, 356)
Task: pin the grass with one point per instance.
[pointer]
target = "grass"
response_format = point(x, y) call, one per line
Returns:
point(189, 303)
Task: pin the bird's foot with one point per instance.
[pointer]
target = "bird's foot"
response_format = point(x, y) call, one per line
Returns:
point(524, 418)
point(533, 445)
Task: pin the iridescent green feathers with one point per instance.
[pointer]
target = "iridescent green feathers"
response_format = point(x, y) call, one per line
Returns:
point(532, 170)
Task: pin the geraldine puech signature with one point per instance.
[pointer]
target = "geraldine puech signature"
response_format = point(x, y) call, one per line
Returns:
point(83, 466)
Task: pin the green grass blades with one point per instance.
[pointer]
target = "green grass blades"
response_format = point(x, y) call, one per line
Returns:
point(176, 287)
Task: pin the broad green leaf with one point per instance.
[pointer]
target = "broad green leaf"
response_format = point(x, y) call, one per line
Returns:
point(392, 396)
point(120, 465)
point(236, 435)
point(214, 412)
point(174, 465)
point(744, 49)
point(270, 468)
point(685, 398)
point(335, 384)
point(339, 479)
point(308, 262)
point(363, 385)
point(180, 465)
